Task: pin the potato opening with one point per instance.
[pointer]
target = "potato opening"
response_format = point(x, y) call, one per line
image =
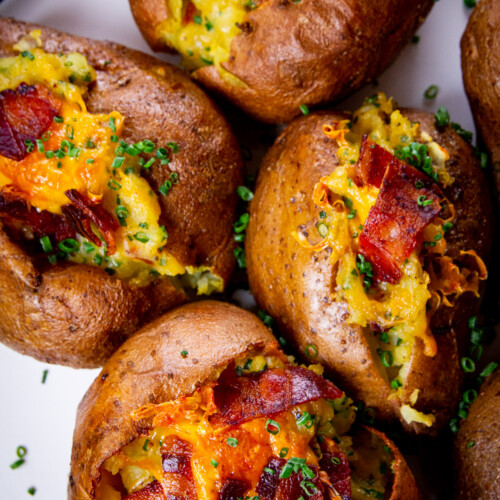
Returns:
point(202, 30)
point(69, 183)
point(215, 442)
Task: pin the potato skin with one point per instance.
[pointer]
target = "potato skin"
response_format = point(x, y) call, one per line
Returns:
point(293, 284)
point(149, 368)
point(477, 467)
point(480, 47)
point(309, 52)
point(78, 315)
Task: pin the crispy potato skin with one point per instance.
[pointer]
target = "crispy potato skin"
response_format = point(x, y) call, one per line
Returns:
point(481, 73)
point(477, 467)
point(149, 368)
point(404, 486)
point(309, 52)
point(77, 315)
point(294, 284)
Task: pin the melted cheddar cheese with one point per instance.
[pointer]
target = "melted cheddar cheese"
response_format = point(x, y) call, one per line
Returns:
point(202, 30)
point(84, 152)
point(244, 450)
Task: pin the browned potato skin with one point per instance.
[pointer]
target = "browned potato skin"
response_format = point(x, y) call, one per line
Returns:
point(77, 315)
point(481, 72)
point(293, 284)
point(149, 368)
point(308, 52)
point(477, 468)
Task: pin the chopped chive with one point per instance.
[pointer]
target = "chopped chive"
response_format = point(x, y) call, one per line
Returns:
point(44, 376)
point(69, 245)
point(117, 162)
point(244, 193)
point(442, 117)
point(233, 442)
point(165, 188)
point(17, 464)
point(323, 229)
point(467, 364)
point(311, 351)
point(431, 92)
point(142, 237)
point(239, 253)
point(46, 244)
point(489, 369)
point(272, 427)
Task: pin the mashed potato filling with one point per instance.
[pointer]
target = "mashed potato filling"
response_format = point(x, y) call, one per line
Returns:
point(241, 451)
point(397, 314)
point(84, 152)
point(202, 30)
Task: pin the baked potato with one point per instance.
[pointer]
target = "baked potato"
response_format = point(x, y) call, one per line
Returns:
point(480, 49)
point(273, 57)
point(118, 182)
point(366, 242)
point(202, 404)
point(477, 446)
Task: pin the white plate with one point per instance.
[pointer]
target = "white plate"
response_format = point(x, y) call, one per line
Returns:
point(41, 416)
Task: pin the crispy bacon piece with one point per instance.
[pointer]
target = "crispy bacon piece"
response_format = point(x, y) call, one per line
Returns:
point(269, 482)
point(190, 12)
point(77, 218)
point(372, 163)
point(407, 202)
point(233, 489)
point(239, 399)
point(44, 223)
point(25, 114)
point(334, 463)
point(83, 212)
point(273, 487)
point(178, 464)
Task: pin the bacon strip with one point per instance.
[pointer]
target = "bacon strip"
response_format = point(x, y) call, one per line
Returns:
point(233, 489)
point(44, 223)
point(372, 163)
point(190, 12)
point(239, 399)
point(334, 463)
point(77, 218)
point(25, 114)
point(395, 223)
point(83, 212)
